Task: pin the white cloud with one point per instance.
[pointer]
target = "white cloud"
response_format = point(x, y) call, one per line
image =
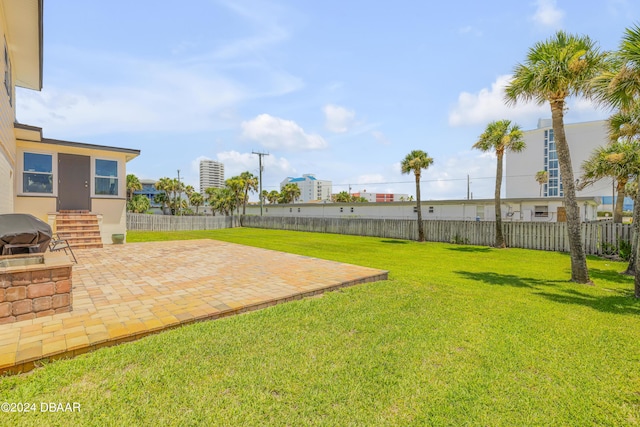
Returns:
point(338, 119)
point(236, 163)
point(470, 30)
point(276, 133)
point(547, 14)
point(488, 105)
point(143, 100)
point(380, 137)
point(372, 178)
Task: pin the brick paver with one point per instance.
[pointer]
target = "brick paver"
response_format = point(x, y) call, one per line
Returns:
point(124, 292)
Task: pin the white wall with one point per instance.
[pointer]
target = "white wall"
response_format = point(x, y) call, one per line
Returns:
point(521, 168)
point(470, 210)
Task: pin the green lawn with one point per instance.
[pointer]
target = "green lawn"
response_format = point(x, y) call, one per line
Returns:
point(459, 335)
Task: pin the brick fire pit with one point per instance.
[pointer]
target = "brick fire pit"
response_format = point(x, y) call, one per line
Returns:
point(34, 286)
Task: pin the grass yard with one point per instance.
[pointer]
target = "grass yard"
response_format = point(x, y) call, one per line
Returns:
point(459, 335)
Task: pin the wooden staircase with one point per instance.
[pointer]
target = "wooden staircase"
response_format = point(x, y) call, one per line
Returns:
point(80, 228)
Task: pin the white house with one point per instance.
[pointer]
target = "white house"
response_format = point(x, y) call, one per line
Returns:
point(311, 188)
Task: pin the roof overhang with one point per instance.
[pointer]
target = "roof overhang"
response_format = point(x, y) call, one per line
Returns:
point(128, 152)
point(24, 31)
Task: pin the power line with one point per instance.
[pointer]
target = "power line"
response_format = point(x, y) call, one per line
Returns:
point(425, 180)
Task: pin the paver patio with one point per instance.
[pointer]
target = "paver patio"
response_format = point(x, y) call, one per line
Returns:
point(124, 292)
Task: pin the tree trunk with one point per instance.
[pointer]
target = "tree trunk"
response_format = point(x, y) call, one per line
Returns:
point(499, 237)
point(579, 272)
point(420, 225)
point(617, 212)
point(244, 203)
point(635, 237)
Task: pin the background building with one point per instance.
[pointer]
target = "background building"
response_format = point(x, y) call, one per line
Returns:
point(149, 191)
point(539, 209)
point(540, 154)
point(311, 188)
point(382, 197)
point(211, 175)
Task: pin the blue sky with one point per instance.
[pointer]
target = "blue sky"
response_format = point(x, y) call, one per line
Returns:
point(340, 89)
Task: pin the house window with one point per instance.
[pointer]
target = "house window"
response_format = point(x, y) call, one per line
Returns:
point(430, 209)
point(541, 211)
point(341, 210)
point(106, 177)
point(38, 173)
point(298, 209)
point(351, 209)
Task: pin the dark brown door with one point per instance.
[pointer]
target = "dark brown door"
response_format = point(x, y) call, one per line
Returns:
point(74, 176)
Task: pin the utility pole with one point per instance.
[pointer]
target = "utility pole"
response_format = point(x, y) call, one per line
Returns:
point(260, 155)
point(468, 187)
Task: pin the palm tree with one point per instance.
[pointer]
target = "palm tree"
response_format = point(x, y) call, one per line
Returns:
point(619, 160)
point(164, 184)
point(290, 193)
point(250, 183)
point(500, 136)
point(222, 200)
point(343, 197)
point(414, 162)
point(273, 196)
point(555, 69)
point(236, 185)
point(133, 184)
point(196, 199)
point(619, 87)
point(542, 177)
point(138, 204)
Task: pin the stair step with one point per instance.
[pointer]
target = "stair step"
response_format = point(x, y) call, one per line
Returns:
point(80, 228)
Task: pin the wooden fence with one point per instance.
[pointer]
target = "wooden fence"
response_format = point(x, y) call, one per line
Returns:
point(145, 222)
point(598, 237)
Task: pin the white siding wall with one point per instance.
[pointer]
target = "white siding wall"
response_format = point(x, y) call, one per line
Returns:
point(482, 210)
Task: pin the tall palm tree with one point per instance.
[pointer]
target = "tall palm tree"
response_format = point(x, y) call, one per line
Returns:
point(250, 184)
point(560, 67)
point(619, 88)
point(133, 184)
point(542, 177)
point(414, 162)
point(500, 136)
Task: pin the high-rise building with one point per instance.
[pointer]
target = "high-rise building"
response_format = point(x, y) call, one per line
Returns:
point(211, 175)
point(311, 188)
